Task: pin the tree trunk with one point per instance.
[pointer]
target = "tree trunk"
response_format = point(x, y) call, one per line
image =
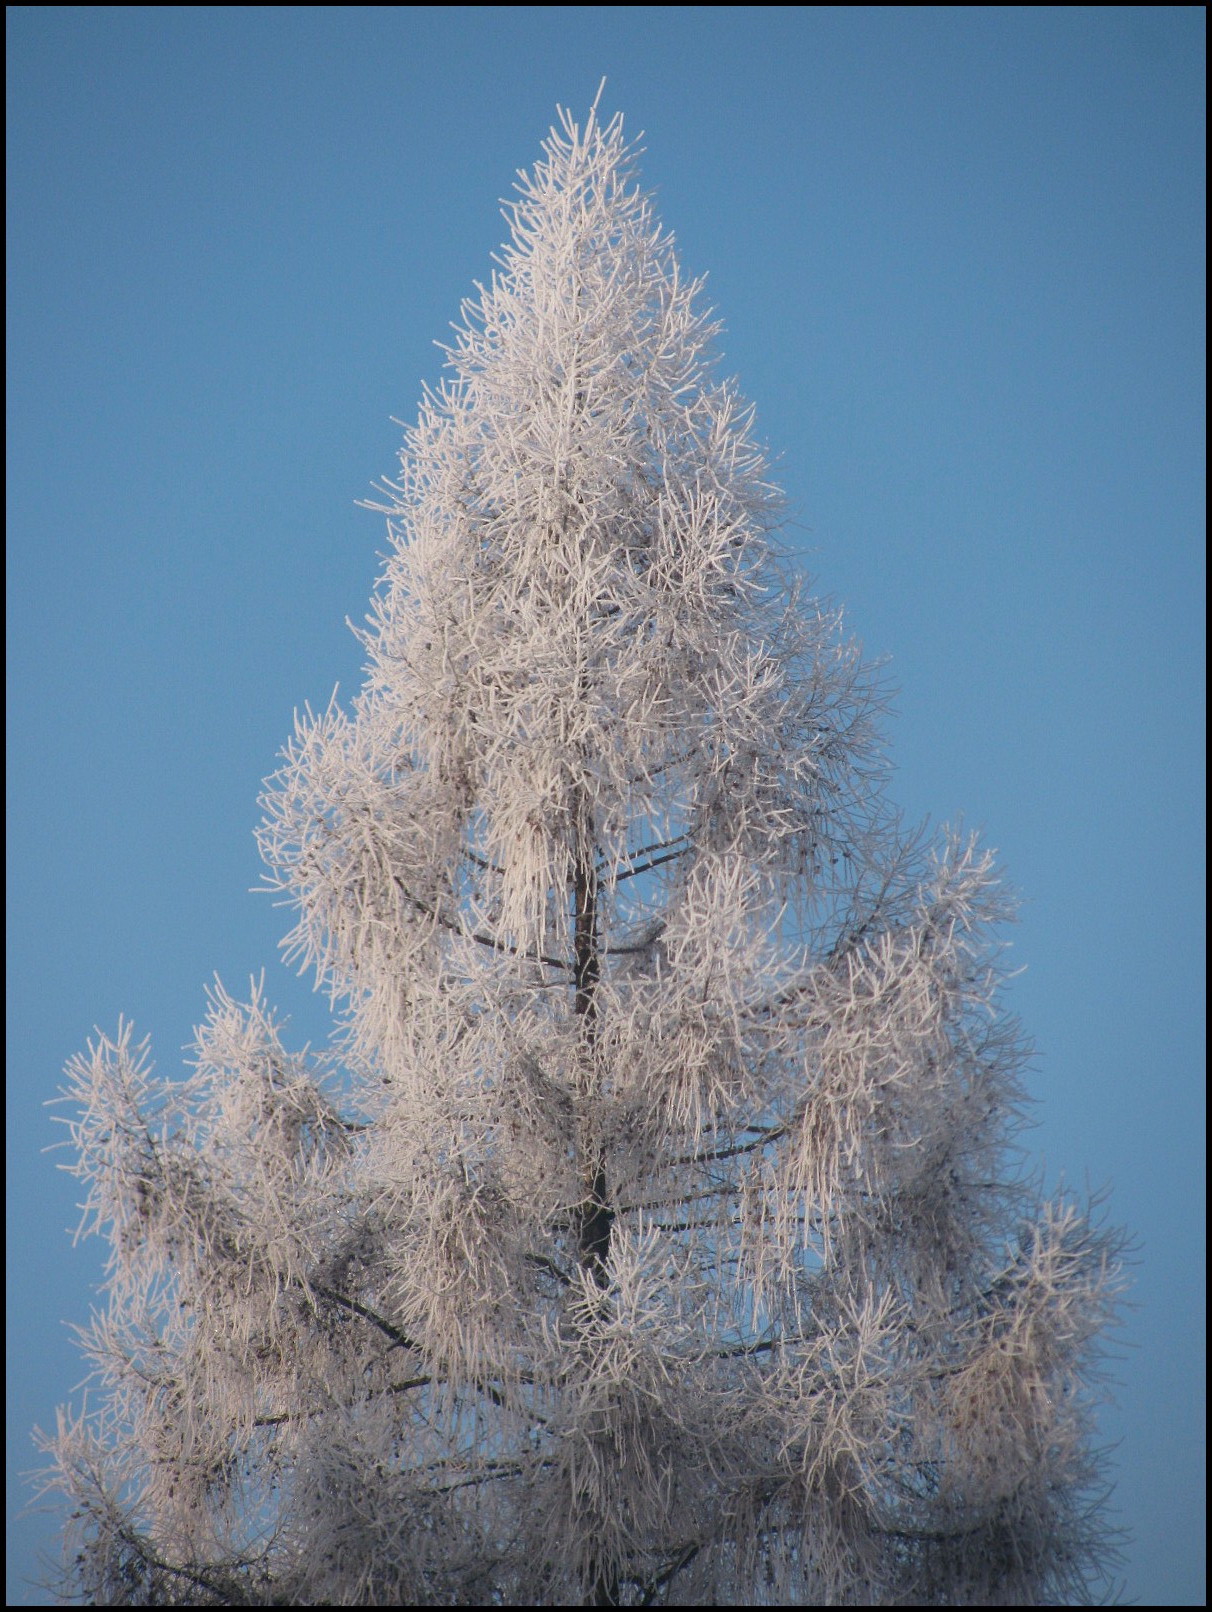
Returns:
point(595, 1218)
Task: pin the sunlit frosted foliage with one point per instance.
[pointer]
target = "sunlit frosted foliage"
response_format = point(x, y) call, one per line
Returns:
point(652, 1232)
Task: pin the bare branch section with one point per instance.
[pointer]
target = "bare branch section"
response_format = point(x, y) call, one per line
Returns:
point(652, 1234)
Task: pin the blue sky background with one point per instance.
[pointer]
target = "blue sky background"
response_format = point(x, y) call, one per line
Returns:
point(959, 257)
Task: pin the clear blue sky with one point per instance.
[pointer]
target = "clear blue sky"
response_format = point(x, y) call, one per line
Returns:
point(958, 253)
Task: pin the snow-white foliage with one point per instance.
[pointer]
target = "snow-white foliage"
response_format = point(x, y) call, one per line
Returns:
point(652, 1233)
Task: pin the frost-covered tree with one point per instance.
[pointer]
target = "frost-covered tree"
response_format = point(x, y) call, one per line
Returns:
point(652, 1233)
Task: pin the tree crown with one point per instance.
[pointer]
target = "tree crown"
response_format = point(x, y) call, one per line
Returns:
point(652, 1232)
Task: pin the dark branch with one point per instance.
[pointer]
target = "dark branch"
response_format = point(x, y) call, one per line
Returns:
point(292, 1416)
point(647, 867)
point(736, 1149)
point(474, 934)
point(400, 1339)
point(659, 1580)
